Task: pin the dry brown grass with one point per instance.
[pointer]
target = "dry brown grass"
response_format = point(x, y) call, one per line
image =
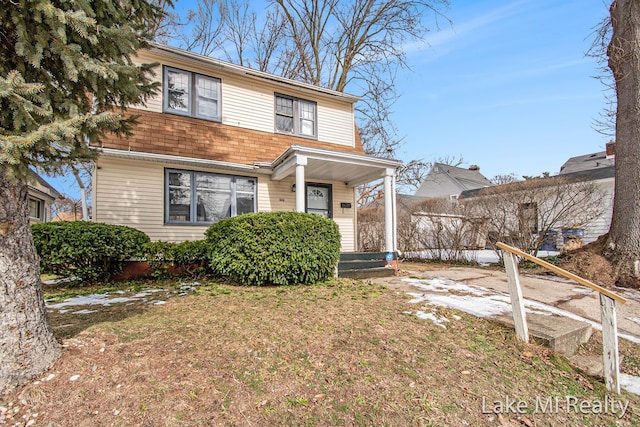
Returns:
point(341, 353)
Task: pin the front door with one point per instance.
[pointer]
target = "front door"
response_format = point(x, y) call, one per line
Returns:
point(319, 199)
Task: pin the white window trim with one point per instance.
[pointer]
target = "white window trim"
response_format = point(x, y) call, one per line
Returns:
point(40, 204)
point(297, 102)
point(192, 110)
point(193, 196)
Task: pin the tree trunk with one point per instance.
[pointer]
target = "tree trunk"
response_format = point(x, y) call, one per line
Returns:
point(623, 245)
point(27, 346)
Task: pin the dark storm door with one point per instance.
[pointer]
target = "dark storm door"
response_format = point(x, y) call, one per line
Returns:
point(319, 199)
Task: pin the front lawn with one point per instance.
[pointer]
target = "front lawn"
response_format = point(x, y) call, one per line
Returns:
point(341, 353)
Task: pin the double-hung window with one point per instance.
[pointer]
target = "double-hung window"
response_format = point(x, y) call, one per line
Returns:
point(204, 198)
point(191, 94)
point(295, 116)
point(35, 209)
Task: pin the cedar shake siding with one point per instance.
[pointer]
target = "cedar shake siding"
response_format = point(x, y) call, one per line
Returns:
point(171, 134)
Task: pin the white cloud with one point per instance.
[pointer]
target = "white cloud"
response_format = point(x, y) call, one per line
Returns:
point(467, 28)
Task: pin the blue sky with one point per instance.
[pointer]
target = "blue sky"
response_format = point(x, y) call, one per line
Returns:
point(507, 87)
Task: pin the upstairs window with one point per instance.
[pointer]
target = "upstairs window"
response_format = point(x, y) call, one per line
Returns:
point(295, 116)
point(191, 94)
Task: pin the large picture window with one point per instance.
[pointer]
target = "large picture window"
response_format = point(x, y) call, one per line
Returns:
point(204, 198)
point(191, 94)
point(295, 116)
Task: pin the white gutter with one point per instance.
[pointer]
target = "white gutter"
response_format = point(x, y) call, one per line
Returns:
point(335, 155)
point(166, 158)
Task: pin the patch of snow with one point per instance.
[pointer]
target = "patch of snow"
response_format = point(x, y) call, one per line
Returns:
point(446, 286)
point(630, 383)
point(482, 302)
point(85, 311)
point(437, 320)
point(93, 299)
point(634, 319)
point(482, 256)
point(158, 302)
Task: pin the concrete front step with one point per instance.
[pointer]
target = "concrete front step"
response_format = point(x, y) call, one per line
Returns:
point(364, 265)
point(360, 264)
point(560, 334)
point(360, 256)
point(367, 273)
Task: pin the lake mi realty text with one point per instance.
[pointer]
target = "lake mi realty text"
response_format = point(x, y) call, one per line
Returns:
point(555, 405)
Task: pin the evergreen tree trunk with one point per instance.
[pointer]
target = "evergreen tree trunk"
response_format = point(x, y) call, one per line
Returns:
point(623, 245)
point(27, 346)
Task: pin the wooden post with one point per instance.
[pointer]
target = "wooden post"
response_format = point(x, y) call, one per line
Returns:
point(515, 292)
point(610, 344)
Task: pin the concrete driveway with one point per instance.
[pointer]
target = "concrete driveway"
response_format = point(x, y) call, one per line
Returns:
point(568, 297)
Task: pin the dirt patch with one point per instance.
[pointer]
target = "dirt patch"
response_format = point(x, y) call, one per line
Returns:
point(341, 353)
point(586, 262)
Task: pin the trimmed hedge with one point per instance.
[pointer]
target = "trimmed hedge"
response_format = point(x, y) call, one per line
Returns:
point(280, 248)
point(88, 250)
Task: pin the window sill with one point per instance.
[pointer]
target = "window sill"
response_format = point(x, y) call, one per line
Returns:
point(176, 113)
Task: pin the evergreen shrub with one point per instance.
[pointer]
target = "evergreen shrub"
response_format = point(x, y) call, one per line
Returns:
point(274, 248)
point(88, 250)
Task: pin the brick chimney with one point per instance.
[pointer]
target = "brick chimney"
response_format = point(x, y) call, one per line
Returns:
point(611, 149)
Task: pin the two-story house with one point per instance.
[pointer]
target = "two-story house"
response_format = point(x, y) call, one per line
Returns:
point(221, 140)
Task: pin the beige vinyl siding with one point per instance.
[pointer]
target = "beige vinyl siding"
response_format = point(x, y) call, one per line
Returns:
point(131, 192)
point(276, 195)
point(345, 218)
point(249, 103)
point(335, 123)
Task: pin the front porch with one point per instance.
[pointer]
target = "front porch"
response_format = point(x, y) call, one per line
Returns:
point(309, 164)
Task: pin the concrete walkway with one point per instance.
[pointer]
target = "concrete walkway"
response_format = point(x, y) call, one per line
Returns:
point(563, 294)
point(557, 309)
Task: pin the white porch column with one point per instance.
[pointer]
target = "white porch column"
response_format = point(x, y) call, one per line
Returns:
point(395, 213)
point(388, 209)
point(301, 162)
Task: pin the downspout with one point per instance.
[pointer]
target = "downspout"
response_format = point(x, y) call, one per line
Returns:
point(83, 194)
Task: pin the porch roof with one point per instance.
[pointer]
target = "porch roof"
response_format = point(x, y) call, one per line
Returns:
point(331, 165)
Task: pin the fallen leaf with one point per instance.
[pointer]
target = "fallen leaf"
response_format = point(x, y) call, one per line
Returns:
point(525, 421)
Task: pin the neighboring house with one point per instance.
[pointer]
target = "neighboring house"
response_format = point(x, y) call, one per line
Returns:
point(536, 198)
point(588, 162)
point(598, 168)
point(221, 140)
point(449, 181)
point(67, 216)
point(41, 196)
point(423, 223)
